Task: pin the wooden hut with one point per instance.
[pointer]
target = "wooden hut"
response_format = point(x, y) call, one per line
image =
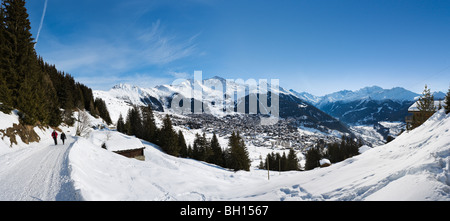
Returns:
point(134, 153)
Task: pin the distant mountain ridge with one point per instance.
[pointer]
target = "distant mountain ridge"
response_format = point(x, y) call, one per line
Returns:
point(122, 96)
point(373, 93)
point(366, 106)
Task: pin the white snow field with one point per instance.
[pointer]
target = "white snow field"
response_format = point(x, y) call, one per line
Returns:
point(39, 172)
point(415, 166)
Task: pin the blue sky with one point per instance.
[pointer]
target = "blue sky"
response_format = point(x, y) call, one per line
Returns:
point(314, 46)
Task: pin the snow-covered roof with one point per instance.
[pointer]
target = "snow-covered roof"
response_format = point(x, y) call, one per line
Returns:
point(324, 162)
point(122, 142)
point(414, 107)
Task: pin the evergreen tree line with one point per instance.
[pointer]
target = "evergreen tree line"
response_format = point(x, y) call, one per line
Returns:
point(140, 122)
point(234, 157)
point(37, 89)
point(335, 152)
point(278, 162)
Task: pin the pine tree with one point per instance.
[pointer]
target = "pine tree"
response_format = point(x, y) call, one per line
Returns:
point(426, 107)
point(134, 122)
point(54, 117)
point(23, 76)
point(38, 90)
point(261, 163)
point(334, 153)
point(149, 124)
point(282, 163)
point(447, 102)
point(292, 160)
point(5, 93)
point(102, 110)
point(31, 90)
point(239, 158)
point(196, 152)
point(121, 124)
point(206, 148)
point(217, 153)
point(202, 149)
point(189, 151)
point(168, 138)
point(11, 44)
point(26, 101)
point(269, 161)
point(313, 157)
point(182, 144)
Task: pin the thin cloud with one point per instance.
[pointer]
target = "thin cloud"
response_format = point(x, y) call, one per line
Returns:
point(42, 21)
point(160, 48)
point(100, 56)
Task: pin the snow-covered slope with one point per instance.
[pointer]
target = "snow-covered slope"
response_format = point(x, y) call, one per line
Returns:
point(122, 96)
point(234, 95)
point(415, 166)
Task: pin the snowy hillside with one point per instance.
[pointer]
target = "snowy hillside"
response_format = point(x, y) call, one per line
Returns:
point(217, 94)
point(415, 166)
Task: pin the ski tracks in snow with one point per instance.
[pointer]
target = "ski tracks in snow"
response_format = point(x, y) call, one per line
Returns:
point(40, 172)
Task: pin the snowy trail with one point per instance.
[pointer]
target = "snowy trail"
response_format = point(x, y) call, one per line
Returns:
point(40, 172)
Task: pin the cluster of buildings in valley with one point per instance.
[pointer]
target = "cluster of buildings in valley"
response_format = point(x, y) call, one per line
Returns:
point(281, 135)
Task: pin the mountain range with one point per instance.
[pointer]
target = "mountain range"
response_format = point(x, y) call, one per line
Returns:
point(121, 97)
point(366, 106)
point(334, 111)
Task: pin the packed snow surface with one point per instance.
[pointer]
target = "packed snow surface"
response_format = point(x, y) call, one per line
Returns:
point(415, 166)
point(39, 172)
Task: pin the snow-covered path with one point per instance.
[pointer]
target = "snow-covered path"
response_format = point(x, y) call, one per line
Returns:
point(37, 173)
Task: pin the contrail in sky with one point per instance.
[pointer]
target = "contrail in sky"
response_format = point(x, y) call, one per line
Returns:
point(42, 21)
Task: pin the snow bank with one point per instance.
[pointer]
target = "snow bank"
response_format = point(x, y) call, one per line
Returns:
point(364, 148)
point(8, 120)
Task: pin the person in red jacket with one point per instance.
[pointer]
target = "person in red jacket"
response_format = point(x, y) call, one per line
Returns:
point(55, 136)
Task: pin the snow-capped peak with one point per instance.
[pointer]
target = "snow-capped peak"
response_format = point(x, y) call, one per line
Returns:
point(124, 86)
point(366, 93)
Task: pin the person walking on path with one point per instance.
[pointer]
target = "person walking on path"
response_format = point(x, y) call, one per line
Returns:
point(55, 136)
point(63, 137)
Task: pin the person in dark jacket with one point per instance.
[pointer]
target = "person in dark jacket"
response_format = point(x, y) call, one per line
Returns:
point(63, 137)
point(55, 136)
